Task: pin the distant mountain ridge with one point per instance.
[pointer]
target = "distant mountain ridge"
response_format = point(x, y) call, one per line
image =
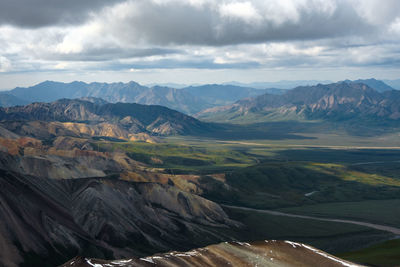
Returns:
point(217, 94)
point(379, 86)
point(131, 92)
point(393, 83)
point(9, 100)
point(284, 84)
point(189, 100)
point(336, 102)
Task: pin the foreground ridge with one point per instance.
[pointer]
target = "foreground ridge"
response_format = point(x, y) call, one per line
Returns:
point(260, 253)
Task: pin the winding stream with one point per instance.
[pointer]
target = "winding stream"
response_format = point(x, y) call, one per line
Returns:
point(386, 228)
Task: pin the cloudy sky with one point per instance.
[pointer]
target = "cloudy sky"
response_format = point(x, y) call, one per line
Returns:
point(197, 41)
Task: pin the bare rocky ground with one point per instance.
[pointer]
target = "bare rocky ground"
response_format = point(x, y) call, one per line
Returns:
point(263, 253)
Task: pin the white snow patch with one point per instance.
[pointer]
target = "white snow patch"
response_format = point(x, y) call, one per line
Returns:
point(243, 243)
point(119, 262)
point(124, 261)
point(294, 244)
point(147, 259)
point(93, 264)
point(187, 254)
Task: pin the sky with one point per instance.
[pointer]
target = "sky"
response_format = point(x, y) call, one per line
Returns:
point(197, 41)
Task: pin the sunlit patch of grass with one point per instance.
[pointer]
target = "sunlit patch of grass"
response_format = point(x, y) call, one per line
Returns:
point(182, 157)
point(383, 254)
point(346, 174)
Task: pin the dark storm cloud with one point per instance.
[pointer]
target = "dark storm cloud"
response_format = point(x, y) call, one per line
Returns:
point(180, 23)
point(39, 13)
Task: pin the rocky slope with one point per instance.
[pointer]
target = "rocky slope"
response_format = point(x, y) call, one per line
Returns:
point(264, 253)
point(64, 157)
point(49, 130)
point(117, 208)
point(104, 119)
point(47, 222)
point(333, 102)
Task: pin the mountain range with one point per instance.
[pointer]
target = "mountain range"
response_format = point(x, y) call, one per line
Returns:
point(285, 84)
point(216, 94)
point(342, 101)
point(189, 100)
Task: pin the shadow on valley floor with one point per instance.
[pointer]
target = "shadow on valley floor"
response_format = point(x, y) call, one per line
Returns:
point(357, 158)
point(270, 130)
point(287, 130)
point(283, 184)
point(361, 164)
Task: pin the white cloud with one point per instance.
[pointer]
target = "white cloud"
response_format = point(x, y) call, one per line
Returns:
point(377, 12)
point(394, 28)
point(240, 10)
point(76, 39)
point(61, 66)
point(5, 64)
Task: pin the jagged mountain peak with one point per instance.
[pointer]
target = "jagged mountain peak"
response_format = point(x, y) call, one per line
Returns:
point(336, 101)
point(378, 85)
